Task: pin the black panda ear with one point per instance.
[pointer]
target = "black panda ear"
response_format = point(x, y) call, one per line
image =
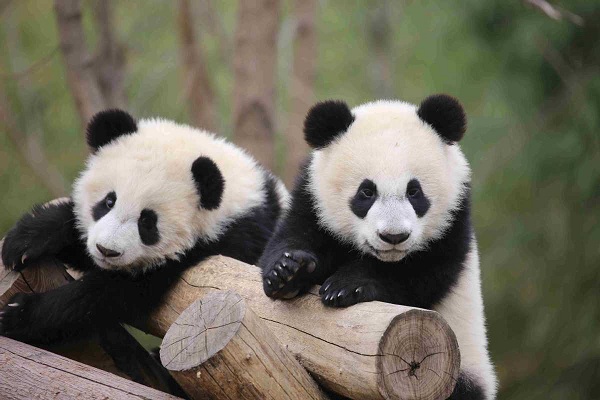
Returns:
point(446, 115)
point(108, 125)
point(209, 182)
point(325, 121)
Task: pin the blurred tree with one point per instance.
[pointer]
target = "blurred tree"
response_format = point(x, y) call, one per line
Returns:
point(254, 63)
point(302, 85)
point(196, 82)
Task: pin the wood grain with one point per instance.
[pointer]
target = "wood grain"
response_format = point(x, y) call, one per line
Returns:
point(28, 372)
point(245, 361)
point(367, 351)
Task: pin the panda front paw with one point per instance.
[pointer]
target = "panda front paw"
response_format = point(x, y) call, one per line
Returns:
point(288, 274)
point(17, 320)
point(41, 232)
point(342, 291)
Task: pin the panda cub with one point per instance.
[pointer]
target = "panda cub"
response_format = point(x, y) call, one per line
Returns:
point(155, 198)
point(381, 211)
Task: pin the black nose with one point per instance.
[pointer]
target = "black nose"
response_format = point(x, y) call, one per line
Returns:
point(107, 252)
point(394, 238)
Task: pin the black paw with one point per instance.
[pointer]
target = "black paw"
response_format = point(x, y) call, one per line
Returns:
point(16, 319)
point(340, 291)
point(41, 232)
point(287, 275)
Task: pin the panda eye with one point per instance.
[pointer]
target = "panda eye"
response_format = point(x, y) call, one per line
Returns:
point(367, 193)
point(109, 201)
point(413, 192)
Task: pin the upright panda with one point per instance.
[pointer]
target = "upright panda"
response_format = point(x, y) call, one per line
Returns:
point(381, 211)
point(155, 197)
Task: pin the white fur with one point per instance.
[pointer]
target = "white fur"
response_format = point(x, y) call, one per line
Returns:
point(389, 144)
point(152, 169)
point(463, 310)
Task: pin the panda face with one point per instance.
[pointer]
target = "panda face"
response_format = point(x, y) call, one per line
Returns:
point(151, 195)
point(389, 184)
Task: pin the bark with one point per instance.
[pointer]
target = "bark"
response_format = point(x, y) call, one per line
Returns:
point(196, 82)
point(255, 59)
point(27, 372)
point(302, 91)
point(109, 61)
point(79, 65)
point(219, 349)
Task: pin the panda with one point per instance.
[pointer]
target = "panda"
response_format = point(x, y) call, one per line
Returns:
point(154, 198)
point(381, 211)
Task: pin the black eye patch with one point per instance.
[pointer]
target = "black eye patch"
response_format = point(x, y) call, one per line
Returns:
point(364, 198)
point(104, 206)
point(147, 226)
point(417, 198)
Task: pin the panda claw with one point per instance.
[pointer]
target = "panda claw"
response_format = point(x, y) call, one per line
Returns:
point(287, 255)
point(341, 293)
point(24, 258)
point(311, 266)
point(275, 273)
point(13, 304)
point(358, 290)
point(268, 282)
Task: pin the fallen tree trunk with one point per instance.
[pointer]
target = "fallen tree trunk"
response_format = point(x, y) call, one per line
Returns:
point(367, 351)
point(27, 372)
point(219, 349)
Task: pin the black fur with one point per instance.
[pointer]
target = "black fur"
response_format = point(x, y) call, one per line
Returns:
point(420, 280)
point(325, 121)
point(445, 115)
point(416, 197)
point(364, 198)
point(46, 231)
point(147, 227)
point(466, 389)
point(103, 207)
point(209, 182)
point(103, 298)
point(108, 125)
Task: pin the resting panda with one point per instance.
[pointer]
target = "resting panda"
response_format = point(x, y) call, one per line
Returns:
point(381, 211)
point(155, 198)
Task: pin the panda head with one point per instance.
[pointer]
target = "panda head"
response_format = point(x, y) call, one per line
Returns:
point(387, 176)
point(146, 194)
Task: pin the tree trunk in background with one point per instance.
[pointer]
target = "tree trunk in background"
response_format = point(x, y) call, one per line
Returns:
point(109, 60)
point(255, 62)
point(379, 37)
point(79, 65)
point(211, 19)
point(302, 91)
point(197, 87)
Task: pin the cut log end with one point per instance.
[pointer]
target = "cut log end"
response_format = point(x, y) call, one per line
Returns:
point(419, 359)
point(202, 330)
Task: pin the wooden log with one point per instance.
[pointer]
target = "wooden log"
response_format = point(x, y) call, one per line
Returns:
point(368, 351)
point(115, 351)
point(27, 372)
point(219, 349)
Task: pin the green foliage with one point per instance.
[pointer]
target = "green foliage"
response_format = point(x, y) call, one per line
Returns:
point(531, 87)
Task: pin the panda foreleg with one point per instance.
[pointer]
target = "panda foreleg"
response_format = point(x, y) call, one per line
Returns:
point(82, 307)
point(47, 230)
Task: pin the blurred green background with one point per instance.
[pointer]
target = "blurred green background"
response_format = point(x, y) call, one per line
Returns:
point(531, 88)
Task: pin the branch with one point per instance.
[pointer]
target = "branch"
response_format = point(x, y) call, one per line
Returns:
point(302, 90)
point(254, 65)
point(31, 151)
point(109, 61)
point(555, 12)
point(197, 85)
point(81, 77)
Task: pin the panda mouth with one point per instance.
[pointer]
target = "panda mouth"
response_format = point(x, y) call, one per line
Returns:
point(390, 251)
